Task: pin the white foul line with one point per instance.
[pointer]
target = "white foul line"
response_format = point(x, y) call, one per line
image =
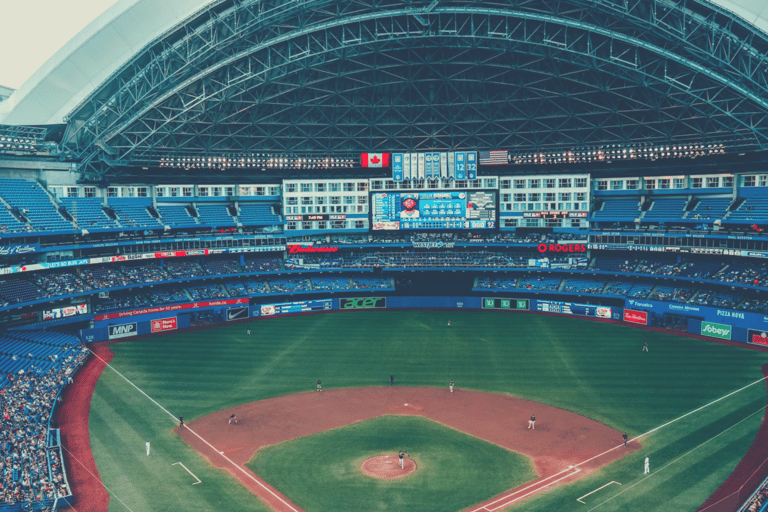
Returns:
point(610, 450)
point(250, 476)
point(508, 503)
point(188, 471)
point(593, 492)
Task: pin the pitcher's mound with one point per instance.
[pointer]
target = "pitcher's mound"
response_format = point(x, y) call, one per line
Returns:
point(387, 466)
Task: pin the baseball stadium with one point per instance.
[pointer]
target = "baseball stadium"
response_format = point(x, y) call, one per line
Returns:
point(403, 255)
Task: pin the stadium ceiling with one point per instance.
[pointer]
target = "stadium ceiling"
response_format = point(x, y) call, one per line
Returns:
point(320, 77)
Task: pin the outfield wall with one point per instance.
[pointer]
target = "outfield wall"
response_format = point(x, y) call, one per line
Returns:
point(721, 324)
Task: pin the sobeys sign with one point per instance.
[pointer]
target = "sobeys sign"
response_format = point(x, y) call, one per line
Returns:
point(721, 331)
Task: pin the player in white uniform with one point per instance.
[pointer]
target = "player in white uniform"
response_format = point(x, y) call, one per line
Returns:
point(647, 466)
point(147, 445)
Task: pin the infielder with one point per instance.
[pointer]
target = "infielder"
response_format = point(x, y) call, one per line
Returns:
point(450, 386)
point(647, 467)
point(319, 385)
point(531, 422)
point(147, 445)
point(401, 455)
point(232, 418)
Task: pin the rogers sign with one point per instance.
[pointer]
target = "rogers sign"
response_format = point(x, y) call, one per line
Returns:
point(300, 249)
point(562, 247)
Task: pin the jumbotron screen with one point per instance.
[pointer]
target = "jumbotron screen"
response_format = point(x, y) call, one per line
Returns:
point(454, 209)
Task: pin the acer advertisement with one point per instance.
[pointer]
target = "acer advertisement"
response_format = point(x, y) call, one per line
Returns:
point(636, 317)
point(164, 324)
point(363, 303)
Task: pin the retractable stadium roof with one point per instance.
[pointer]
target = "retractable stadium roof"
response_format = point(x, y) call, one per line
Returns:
point(155, 78)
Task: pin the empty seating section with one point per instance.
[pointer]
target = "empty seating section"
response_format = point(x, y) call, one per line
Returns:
point(257, 287)
point(216, 266)
point(133, 213)
point(183, 269)
point(236, 289)
point(615, 264)
point(289, 285)
point(257, 214)
point(168, 295)
point(330, 283)
point(716, 298)
point(207, 291)
point(371, 283)
point(33, 202)
point(671, 293)
point(34, 366)
point(16, 290)
point(640, 290)
point(584, 286)
point(262, 264)
point(710, 208)
point(10, 224)
point(145, 273)
point(88, 213)
point(175, 215)
point(618, 288)
point(753, 209)
point(214, 215)
point(619, 209)
point(540, 283)
point(668, 208)
point(119, 301)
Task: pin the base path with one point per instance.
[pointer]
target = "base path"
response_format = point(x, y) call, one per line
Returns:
point(559, 446)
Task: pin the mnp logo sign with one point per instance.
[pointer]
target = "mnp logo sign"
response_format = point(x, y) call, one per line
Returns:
point(714, 330)
point(122, 330)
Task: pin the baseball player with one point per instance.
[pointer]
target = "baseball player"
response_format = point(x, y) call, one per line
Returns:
point(181, 421)
point(450, 386)
point(232, 419)
point(401, 455)
point(249, 331)
point(647, 466)
point(645, 347)
point(319, 385)
point(147, 446)
point(531, 422)
point(391, 380)
point(449, 323)
point(624, 435)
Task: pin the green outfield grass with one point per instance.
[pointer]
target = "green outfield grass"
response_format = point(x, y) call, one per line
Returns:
point(591, 368)
point(454, 470)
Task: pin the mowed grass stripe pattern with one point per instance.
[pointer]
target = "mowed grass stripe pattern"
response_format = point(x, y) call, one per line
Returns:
point(591, 368)
point(454, 470)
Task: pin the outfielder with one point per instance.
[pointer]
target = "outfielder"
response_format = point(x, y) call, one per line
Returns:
point(147, 445)
point(647, 466)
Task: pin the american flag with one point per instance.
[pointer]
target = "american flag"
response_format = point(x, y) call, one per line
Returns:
point(493, 157)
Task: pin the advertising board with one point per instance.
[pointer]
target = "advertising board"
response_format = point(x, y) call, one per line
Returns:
point(363, 303)
point(636, 317)
point(123, 330)
point(237, 314)
point(757, 336)
point(501, 303)
point(722, 331)
point(66, 311)
point(164, 324)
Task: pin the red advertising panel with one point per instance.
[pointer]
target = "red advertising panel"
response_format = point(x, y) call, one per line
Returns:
point(175, 307)
point(757, 336)
point(164, 324)
point(636, 317)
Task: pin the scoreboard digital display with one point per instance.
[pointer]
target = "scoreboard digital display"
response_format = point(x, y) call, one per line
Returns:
point(454, 209)
point(286, 308)
point(500, 303)
point(570, 308)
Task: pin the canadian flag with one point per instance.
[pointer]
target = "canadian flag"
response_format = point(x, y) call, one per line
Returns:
point(374, 159)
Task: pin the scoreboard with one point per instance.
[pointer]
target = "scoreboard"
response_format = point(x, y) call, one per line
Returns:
point(570, 308)
point(285, 308)
point(455, 209)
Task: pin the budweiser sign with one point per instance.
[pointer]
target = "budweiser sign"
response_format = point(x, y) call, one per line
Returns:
point(562, 248)
point(636, 317)
point(303, 249)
